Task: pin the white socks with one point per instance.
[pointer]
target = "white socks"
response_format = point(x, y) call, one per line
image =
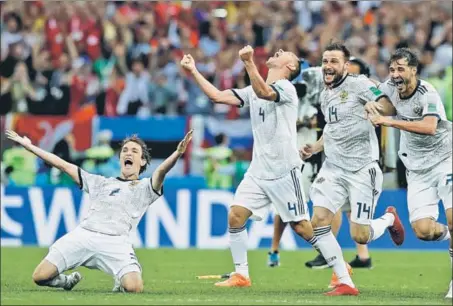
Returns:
point(58, 281)
point(326, 243)
point(378, 226)
point(238, 246)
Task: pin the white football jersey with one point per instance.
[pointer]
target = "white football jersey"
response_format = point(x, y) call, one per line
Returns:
point(275, 150)
point(418, 151)
point(350, 140)
point(116, 205)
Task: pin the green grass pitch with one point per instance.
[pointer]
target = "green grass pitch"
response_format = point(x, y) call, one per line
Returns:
point(410, 278)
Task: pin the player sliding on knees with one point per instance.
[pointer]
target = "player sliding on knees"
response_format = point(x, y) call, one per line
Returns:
point(274, 176)
point(425, 146)
point(350, 174)
point(116, 207)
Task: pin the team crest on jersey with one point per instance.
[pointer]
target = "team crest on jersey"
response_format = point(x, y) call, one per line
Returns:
point(133, 183)
point(320, 180)
point(418, 110)
point(343, 96)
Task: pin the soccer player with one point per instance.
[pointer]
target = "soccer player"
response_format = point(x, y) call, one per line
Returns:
point(362, 259)
point(425, 145)
point(274, 176)
point(116, 207)
point(350, 172)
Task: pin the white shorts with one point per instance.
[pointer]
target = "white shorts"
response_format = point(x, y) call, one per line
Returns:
point(80, 247)
point(286, 194)
point(426, 187)
point(335, 188)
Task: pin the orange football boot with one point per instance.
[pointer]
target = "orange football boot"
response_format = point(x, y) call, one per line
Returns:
point(334, 280)
point(235, 280)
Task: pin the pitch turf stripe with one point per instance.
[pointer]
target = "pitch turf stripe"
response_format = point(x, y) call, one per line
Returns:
point(300, 199)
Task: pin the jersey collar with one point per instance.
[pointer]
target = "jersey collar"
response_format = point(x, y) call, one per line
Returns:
point(123, 180)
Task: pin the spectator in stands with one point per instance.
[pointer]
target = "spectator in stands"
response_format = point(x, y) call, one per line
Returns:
point(60, 56)
point(12, 33)
point(216, 157)
point(98, 159)
point(20, 166)
point(17, 91)
point(162, 94)
point(134, 99)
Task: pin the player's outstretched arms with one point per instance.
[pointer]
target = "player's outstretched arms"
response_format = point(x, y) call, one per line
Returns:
point(426, 126)
point(52, 159)
point(382, 107)
point(162, 170)
point(260, 87)
point(217, 96)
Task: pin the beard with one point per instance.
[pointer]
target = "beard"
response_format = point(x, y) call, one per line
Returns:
point(333, 78)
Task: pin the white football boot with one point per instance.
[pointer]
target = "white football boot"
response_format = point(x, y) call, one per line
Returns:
point(73, 279)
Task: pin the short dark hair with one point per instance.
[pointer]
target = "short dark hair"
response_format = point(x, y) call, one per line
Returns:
point(364, 68)
point(405, 53)
point(336, 46)
point(146, 155)
point(294, 74)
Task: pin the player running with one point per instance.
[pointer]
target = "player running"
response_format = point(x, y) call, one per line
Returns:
point(116, 207)
point(274, 175)
point(350, 173)
point(314, 78)
point(425, 146)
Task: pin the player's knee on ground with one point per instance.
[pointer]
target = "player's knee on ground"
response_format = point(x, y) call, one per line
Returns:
point(303, 228)
point(43, 273)
point(238, 216)
point(132, 283)
point(360, 233)
point(424, 229)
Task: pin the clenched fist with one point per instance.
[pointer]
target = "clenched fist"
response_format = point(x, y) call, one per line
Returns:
point(246, 53)
point(188, 63)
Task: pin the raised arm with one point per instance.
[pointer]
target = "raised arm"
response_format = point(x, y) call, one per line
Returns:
point(52, 159)
point(216, 95)
point(170, 162)
point(260, 87)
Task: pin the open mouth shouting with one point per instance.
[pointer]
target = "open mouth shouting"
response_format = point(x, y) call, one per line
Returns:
point(399, 83)
point(329, 75)
point(128, 163)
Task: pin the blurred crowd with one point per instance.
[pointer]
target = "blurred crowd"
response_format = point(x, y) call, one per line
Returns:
point(122, 57)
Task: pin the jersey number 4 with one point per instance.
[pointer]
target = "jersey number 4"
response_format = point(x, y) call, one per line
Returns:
point(333, 114)
point(262, 113)
point(363, 208)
